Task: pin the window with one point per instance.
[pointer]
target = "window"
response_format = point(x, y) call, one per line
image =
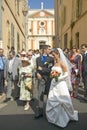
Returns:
point(77, 39)
point(41, 44)
point(79, 8)
point(41, 31)
point(42, 23)
point(12, 34)
point(8, 38)
point(64, 15)
point(65, 40)
point(18, 42)
point(60, 2)
point(18, 6)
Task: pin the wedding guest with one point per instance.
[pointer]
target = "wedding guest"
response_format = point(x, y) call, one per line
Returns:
point(11, 74)
point(25, 81)
point(84, 68)
point(75, 73)
point(23, 53)
point(80, 67)
point(66, 52)
point(2, 66)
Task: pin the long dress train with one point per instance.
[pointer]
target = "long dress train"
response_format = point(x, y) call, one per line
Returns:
point(59, 107)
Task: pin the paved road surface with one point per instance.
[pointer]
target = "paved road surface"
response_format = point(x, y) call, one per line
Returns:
point(13, 117)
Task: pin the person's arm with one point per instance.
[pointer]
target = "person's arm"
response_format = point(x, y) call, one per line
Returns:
point(65, 74)
point(5, 69)
point(85, 66)
point(37, 71)
point(47, 68)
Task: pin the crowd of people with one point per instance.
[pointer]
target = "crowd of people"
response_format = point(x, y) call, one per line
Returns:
point(22, 70)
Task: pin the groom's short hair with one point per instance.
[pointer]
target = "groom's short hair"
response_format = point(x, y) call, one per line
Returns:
point(85, 45)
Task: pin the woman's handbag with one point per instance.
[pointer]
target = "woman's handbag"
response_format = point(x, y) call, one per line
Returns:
point(28, 85)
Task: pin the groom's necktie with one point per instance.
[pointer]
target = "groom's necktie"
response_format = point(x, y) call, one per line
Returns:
point(44, 58)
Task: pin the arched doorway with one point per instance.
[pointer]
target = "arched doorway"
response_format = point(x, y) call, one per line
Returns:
point(41, 44)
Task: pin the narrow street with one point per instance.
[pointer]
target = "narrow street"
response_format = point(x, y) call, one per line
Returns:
point(30, 29)
point(13, 117)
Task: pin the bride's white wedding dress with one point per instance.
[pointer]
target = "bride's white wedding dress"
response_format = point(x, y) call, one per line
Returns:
point(59, 107)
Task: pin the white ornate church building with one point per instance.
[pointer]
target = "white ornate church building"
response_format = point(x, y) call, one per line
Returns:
point(41, 28)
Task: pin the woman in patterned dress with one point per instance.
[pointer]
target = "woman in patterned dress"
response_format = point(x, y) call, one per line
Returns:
point(25, 76)
point(75, 74)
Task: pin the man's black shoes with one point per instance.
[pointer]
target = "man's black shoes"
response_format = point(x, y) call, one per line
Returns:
point(16, 98)
point(38, 116)
point(7, 100)
point(38, 113)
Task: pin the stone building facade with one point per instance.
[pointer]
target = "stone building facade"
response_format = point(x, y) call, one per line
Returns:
point(12, 24)
point(71, 22)
point(41, 28)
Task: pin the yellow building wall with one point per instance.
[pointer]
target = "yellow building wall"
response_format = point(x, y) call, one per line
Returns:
point(80, 22)
point(11, 16)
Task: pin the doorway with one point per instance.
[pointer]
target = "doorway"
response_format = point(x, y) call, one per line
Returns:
point(41, 44)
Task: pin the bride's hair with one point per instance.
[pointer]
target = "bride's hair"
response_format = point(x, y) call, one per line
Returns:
point(55, 50)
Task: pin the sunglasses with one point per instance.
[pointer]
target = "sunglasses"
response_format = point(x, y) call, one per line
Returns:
point(29, 55)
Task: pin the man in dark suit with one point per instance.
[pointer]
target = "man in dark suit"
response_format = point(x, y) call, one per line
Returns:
point(44, 64)
point(84, 68)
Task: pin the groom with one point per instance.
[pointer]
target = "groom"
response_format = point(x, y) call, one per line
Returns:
point(44, 64)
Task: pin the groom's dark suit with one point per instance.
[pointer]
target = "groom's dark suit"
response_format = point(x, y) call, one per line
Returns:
point(44, 83)
point(45, 72)
point(84, 73)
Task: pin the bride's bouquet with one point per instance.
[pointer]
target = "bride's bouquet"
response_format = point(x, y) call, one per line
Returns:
point(55, 74)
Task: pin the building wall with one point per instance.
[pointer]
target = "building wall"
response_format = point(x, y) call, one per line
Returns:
point(57, 24)
point(80, 25)
point(71, 22)
point(0, 20)
point(40, 33)
point(11, 16)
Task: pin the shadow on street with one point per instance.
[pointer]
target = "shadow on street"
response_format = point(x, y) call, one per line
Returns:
point(27, 122)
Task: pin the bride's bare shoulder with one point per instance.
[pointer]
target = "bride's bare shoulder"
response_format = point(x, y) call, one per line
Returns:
point(63, 65)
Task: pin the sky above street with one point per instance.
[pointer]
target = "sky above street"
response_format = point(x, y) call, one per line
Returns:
point(36, 4)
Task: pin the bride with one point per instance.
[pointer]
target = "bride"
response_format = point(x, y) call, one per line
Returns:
point(59, 107)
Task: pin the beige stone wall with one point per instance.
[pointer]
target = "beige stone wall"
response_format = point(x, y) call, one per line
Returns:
point(79, 23)
point(81, 27)
point(11, 16)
